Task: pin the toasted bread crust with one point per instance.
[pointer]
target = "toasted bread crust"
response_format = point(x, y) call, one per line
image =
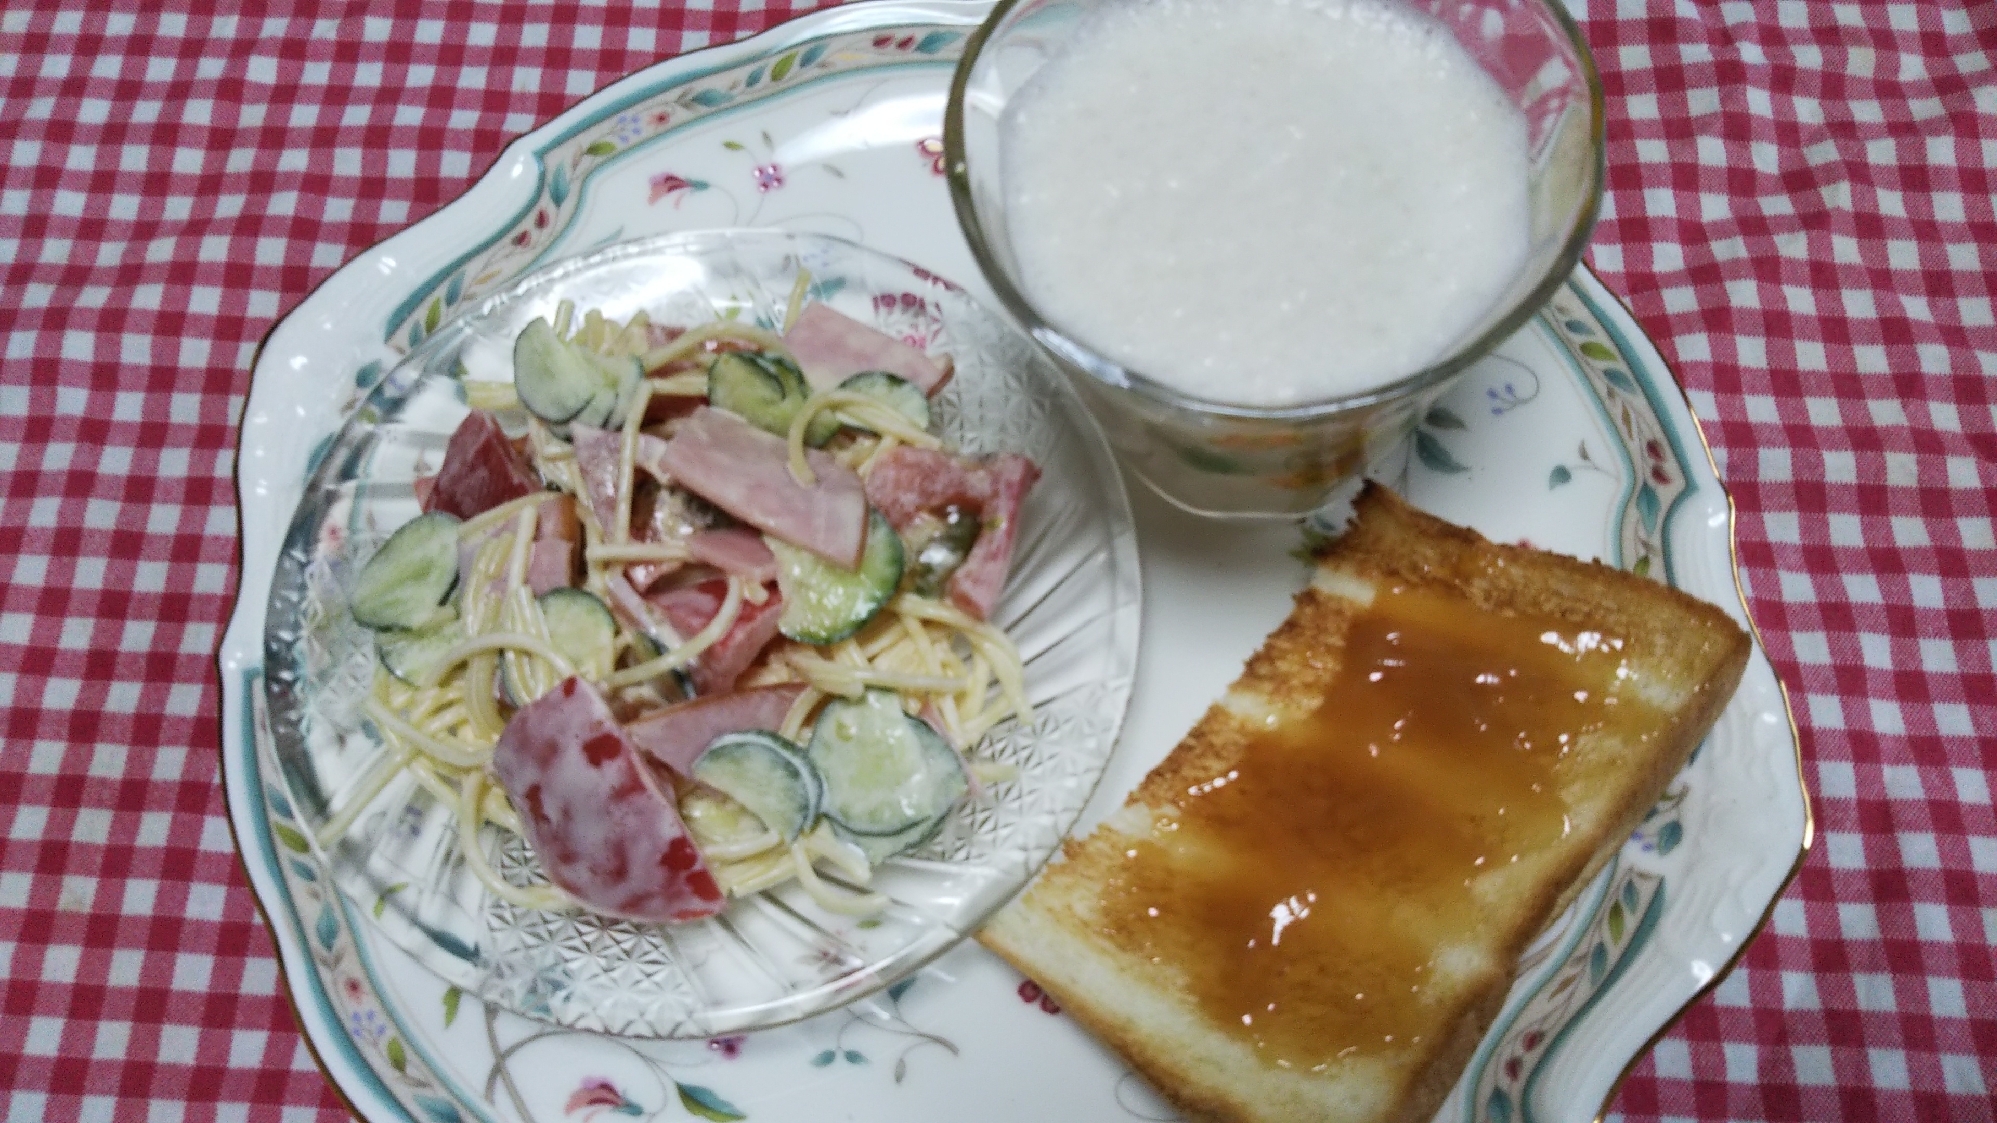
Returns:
point(1692, 655)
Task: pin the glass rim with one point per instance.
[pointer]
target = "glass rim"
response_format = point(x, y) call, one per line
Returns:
point(1111, 373)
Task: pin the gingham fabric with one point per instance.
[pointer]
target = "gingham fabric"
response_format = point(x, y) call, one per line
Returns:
point(1799, 211)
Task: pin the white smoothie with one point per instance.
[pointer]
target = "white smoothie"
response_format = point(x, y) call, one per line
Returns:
point(1265, 202)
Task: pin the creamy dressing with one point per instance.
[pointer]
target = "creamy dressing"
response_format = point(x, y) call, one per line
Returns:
point(1265, 202)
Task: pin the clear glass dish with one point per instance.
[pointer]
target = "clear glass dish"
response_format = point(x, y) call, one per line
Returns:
point(1214, 458)
point(1071, 606)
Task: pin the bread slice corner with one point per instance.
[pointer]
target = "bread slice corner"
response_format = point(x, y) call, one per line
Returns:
point(1686, 658)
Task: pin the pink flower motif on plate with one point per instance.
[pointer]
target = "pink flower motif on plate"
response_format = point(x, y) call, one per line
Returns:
point(769, 177)
point(1031, 994)
point(595, 1094)
point(932, 148)
point(670, 185)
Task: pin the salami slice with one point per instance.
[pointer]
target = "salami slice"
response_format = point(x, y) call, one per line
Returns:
point(603, 828)
point(482, 469)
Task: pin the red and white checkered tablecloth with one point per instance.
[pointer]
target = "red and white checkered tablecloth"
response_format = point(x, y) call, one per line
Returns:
point(1800, 211)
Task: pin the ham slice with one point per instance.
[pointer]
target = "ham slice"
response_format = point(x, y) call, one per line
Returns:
point(551, 565)
point(976, 585)
point(552, 558)
point(599, 455)
point(677, 735)
point(746, 472)
point(658, 515)
point(737, 552)
point(598, 819)
point(689, 608)
point(719, 667)
point(831, 347)
point(482, 469)
point(599, 459)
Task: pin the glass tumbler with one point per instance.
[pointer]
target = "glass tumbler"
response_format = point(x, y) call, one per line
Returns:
point(1220, 459)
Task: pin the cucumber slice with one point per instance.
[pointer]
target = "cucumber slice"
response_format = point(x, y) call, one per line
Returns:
point(644, 649)
point(596, 414)
point(880, 847)
point(404, 582)
point(956, 532)
point(824, 603)
point(628, 373)
point(766, 774)
point(767, 391)
point(582, 629)
point(559, 382)
point(748, 384)
point(554, 380)
point(409, 655)
point(885, 772)
point(893, 391)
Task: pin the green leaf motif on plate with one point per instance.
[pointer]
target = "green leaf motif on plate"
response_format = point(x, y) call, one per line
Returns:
point(453, 945)
point(936, 41)
point(1434, 455)
point(1442, 417)
point(398, 1057)
point(452, 996)
point(1648, 506)
point(734, 146)
point(1670, 834)
point(813, 53)
point(1616, 921)
point(327, 929)
point(755, 77)
point(291, 839)
point(825, 1058)
point(712, 98)
point(600, 148)
point(1560, 475)
point(782, 69)
point(432, 316)
point(558, 186)
point(1498, 1108)
point(1598, 351)
point(381, 902)
point(707, 1105)
point(439, 1111)
point(1642, 566)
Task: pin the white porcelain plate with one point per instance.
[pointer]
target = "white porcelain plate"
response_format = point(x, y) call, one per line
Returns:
point(1573, 436)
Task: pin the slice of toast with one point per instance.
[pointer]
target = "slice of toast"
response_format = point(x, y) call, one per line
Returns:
point(1313, 908)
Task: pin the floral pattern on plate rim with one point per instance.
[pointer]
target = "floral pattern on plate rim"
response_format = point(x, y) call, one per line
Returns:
point(640, 119)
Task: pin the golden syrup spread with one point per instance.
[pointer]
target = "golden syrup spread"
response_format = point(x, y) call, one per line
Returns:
point(1306, 891)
